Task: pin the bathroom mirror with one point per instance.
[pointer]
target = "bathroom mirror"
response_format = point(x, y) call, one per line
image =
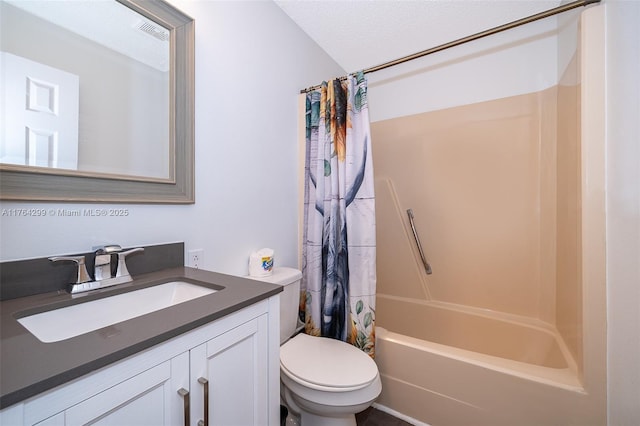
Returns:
point(126, 86)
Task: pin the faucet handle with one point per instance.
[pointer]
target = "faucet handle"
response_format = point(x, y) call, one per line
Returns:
point(83, 275)
point(122, 265)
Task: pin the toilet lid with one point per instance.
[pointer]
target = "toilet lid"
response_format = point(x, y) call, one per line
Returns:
point(327, 362)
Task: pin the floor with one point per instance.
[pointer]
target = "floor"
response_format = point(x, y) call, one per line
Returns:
point(374, 417)
point(369, 417)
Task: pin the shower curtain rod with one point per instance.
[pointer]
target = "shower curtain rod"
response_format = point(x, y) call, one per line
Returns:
point(472, 37)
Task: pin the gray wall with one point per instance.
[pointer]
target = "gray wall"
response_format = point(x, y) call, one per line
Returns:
point(251, 62)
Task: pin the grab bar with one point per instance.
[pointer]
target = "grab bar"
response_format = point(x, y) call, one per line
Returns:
point(427, 267)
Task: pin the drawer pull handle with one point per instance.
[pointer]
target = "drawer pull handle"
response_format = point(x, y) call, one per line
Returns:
point(185, 397)
point(205, 383)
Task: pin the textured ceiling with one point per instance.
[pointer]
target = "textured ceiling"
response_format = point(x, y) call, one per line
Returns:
point(359, 34)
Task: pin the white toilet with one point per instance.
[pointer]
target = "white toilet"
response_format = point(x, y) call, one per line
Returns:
point(325, 381)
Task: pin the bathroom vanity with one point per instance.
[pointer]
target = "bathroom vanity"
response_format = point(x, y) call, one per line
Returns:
point(212, 360)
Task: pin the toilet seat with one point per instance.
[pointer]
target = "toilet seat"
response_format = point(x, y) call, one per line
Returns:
point(326, 364)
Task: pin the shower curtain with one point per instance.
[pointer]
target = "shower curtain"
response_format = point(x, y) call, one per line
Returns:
point(339, 251)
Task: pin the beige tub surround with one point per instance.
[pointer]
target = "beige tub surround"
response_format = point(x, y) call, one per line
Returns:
point(508, 201)
point(439, 384)
point(475, 178)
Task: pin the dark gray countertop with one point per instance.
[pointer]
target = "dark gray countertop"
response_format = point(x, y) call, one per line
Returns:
point(29, 366)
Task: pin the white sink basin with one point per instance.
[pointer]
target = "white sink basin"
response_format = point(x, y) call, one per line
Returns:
point(71, 321)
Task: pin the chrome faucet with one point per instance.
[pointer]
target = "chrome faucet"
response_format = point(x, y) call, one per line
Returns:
point(102, 268)
point(102, 265)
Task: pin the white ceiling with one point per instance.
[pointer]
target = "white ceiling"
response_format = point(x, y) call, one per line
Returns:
point(359, 34)
point(110, 24)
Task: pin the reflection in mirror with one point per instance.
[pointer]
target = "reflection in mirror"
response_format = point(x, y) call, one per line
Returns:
point(112, 109)
point(85, 86)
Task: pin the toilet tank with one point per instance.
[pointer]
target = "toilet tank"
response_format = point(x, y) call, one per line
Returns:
point(290, 279)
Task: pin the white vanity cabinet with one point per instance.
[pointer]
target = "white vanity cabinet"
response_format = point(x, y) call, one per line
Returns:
point(144, 399)
point(227, 374)
point(228, 370)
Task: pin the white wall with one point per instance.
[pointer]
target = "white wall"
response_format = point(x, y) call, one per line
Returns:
point(623, 210)
point(518, 61)
point(251, 62)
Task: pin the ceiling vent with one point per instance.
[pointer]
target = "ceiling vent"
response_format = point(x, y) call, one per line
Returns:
point(153, 30)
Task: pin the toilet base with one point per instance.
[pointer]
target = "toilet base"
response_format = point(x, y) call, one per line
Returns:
point(309, 419)
point(314, 414)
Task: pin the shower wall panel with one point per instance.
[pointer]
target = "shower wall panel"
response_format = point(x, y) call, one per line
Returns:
point(568, 278)
point(481, 180)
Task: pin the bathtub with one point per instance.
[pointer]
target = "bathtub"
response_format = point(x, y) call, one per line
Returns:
point(444, 365)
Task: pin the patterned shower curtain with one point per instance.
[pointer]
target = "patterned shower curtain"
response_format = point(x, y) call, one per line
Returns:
point(339, 250)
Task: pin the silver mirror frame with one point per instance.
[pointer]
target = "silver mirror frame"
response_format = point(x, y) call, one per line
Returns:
point(41, 184)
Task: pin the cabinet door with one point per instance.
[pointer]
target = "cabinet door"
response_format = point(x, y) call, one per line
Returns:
point(149, 398)
point(57, 420)
point(233, 367)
